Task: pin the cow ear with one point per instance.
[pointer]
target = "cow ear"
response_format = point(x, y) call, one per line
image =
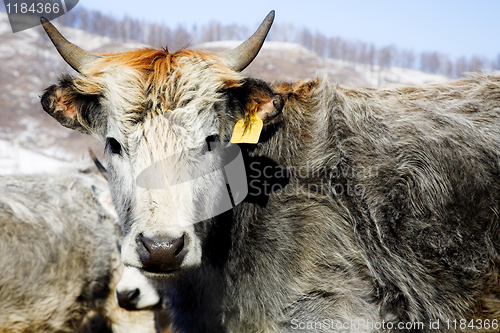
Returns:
point(269, 109)
point(252, 107)
point(262, 101)
point(70, 108)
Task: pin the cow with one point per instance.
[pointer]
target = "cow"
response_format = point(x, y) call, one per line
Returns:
point(366, 210)
point(59, 256)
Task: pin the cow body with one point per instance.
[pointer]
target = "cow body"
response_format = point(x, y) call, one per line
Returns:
point(393, 201)
point(59, 257)
point(368, 209)
point(390, 215)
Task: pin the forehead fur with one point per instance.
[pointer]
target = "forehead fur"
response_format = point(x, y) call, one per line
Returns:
point(155, 81)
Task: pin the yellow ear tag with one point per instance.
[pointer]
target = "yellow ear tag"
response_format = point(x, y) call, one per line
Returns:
point(249, 133)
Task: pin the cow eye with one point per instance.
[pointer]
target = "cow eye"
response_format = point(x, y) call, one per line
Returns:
point(212, 138)
point(114, 146)
point(211, 141)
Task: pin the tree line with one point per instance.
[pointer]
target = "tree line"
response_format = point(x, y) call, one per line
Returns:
point(353, 52)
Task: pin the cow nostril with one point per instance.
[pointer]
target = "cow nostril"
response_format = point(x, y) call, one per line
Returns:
point(180, 247)
point(142, 249)
point(160, 256)
point(134, 294)
point(129, 299)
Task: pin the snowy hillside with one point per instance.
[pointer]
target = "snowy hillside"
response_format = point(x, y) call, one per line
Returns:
point(289, 62)
point(32, 141)
point(17, 160)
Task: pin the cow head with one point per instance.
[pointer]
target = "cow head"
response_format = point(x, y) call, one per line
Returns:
point(155, 111)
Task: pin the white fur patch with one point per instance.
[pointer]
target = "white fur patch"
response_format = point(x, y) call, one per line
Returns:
point(133, 279)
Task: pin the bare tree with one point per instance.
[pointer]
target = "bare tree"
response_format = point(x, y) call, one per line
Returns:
point(461, 66)
point(180, 38)
point(386, 57)
point(408, 59)
point(333, 47)
point(362, 52)
point(319, 44)
point(371, 56)
point(476, 64)
point(305, 38)
point(284, 32)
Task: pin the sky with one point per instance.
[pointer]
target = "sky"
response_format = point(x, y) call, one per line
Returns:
point(452, 27)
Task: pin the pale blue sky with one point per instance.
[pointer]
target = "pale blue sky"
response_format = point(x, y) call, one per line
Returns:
point(452, 27)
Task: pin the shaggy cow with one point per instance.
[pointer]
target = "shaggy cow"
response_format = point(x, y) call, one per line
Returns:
point(367, 209)
point(59, 258)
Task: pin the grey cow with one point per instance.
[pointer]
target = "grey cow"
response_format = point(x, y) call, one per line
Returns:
point(59, 260)
point(368, 210)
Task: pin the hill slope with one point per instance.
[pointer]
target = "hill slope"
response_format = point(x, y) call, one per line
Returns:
point(29, 63)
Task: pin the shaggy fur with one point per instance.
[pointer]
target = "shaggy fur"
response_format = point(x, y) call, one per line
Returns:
point(368, 208)
point(59, 257)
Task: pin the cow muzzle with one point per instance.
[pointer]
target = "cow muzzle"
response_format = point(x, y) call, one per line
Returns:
point(159, 255)
point(135, 292)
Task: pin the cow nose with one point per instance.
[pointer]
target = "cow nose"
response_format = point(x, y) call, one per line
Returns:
point(158, 256)
point(128, 299)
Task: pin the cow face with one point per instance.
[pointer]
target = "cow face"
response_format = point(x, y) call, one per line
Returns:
point(165, 119)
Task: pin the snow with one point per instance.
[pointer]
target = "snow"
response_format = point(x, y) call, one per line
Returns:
point(4, 24)
point(223, 44)
point(268, 46)
point(17, 160)
point(374, 75)
point(378, 77)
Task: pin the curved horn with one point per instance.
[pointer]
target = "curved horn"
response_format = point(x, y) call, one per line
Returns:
point(72, 54)
point(102, 170)
point(240, 57)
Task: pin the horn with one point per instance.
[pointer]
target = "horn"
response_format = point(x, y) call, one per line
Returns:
point(240, 57)
point(99, 165)
point(72, 54)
